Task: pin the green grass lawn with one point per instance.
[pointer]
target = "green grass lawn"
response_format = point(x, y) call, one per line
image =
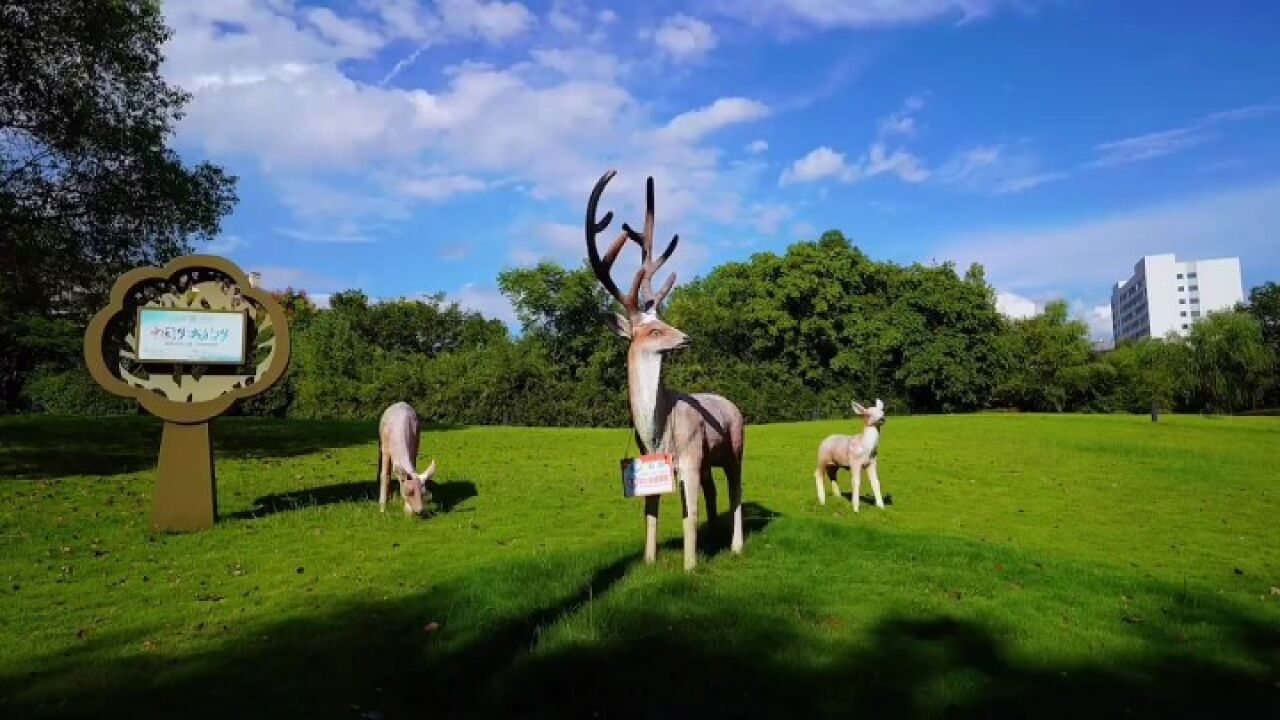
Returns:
point(1035, 566)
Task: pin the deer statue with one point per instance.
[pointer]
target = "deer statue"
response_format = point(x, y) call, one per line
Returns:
point(699, 431)
point(854, 452)
point(398, 456)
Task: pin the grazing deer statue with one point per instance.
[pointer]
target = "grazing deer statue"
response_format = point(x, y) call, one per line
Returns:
point(398, 455)
point(854, 452)
point(699, 431)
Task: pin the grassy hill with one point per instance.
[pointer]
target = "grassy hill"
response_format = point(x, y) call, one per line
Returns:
point(1045, 566)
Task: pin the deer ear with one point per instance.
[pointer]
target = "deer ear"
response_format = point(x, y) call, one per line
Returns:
point(430, 473)
point(618, 324)
point(858, 408)
point(879, 404)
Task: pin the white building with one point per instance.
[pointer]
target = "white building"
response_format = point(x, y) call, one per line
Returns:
point(1167, 295)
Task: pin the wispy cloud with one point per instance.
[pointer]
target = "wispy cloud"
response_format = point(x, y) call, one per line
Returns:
point(325, 238)
point(684, 39)
point(823, 163)
point(224, 245)
point(999, 169)
point(855, 13)
point(1160, 143)
point(1095, 252)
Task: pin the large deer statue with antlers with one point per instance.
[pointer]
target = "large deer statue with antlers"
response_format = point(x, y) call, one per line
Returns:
point(699, 431)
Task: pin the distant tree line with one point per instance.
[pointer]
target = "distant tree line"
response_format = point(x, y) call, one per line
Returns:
point(787, 336)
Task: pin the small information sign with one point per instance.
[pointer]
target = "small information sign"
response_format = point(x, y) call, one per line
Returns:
point(648, 475)
point(191, 336)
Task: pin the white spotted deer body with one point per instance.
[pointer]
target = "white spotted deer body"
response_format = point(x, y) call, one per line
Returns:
point(699, 431)
point(854, 452)
point(398, 457)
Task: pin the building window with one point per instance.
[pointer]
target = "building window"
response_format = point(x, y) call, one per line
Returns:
point(1195, 288)
point(1179, 276)
point(1191, 275)
point(1184, 326)
point(1181, 288)
point(1195, 313)
point(1184, 313)
point(1182, 301)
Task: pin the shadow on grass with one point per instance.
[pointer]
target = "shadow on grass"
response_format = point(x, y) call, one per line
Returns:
point(445, 497)
point(42, 446)
point(669, 646)
point(866, 499)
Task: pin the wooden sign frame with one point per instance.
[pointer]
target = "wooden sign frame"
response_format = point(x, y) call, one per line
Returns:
point(186, 491)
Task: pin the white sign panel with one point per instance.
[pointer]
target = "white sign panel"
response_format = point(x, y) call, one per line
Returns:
point(648, 475)
point(191, 336)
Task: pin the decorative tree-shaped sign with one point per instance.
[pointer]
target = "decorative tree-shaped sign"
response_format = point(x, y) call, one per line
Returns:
point(187, 340)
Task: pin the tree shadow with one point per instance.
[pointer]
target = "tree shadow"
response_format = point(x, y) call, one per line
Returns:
point(445, 497)
point(715, 537)
point(43, 446)
point(669, 651)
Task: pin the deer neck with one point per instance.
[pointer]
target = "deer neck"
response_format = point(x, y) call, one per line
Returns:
point(870, 438)
point(650, 404)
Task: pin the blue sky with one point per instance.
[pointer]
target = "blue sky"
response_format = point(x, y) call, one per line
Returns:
point(409, 147)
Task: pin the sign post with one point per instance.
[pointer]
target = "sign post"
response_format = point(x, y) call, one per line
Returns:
point(186, 341)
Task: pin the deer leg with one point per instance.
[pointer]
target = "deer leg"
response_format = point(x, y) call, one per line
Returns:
point(875, 483)
point(833, 474)
point(651, 528)
point(733, 474)
point(856, 468)
point(384, 480)
point(822, 486)
point(709, 494)
point(689, 471)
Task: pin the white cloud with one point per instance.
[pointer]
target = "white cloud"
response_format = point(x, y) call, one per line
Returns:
point(224, 245)
point(694, 124)
point(352, 37)
point(1152, 145)
point(902, 121)
point(325, 238)
point(440, 187)
point(279, 277)
point(768, 217)
point(1097, 317)
point(683, 38)
point(804, 231)
point(823, 163)
point(757, 146)
point(1015, 306)
point(1095, 252)
point(494, 21)
point(996, 170)
point(855, 13)
point(487, 301)
point(1149, 146)
point(906, 166)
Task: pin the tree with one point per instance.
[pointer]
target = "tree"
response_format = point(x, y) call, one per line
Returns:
point(1046, 358)
point(88, 187)
point(1233, 363)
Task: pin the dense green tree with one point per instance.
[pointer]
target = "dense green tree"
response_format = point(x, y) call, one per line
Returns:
point(1152, 374)
point(1234, 366)
point(1046, 358)
point(88, 186)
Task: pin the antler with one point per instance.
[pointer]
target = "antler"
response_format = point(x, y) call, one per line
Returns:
point(649, 266)
point(603, 266)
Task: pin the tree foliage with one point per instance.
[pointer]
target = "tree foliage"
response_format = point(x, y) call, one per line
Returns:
point(88, 186)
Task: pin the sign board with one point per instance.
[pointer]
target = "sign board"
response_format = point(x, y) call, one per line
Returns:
point(206, 337)
point(648, 475)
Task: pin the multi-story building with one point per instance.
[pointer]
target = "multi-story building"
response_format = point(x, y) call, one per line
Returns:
point(1168, 295)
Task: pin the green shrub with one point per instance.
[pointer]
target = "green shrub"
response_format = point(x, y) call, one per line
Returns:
point(73, 392)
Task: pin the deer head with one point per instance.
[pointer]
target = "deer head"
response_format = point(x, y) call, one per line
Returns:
point(640, 325)
point(416, 489)
point(872, 416)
